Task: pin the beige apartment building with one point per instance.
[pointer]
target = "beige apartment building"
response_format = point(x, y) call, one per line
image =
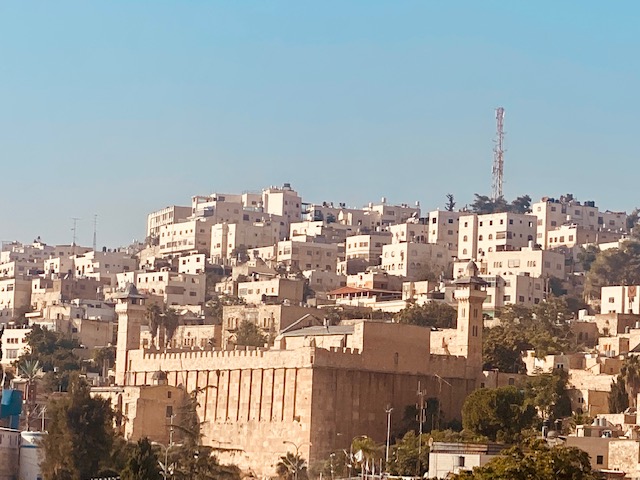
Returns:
point(270, 319)
point(175, 288)
point(412, 260)
point(512, 290)
point(329, 232)
point(413, 232)
point(192, 236)
point(20, 268)
point(367, 247)
point(193, 264)
point(375, 280)
point(15, 294)
point(37, 251)
point(103, 266)
point(620, 299)
point(283, 202)
point(229, 240)
point(571, 236)
point(444, 228)
point(528, 261)
point(166, 216)
point(307, 255)
point(553, 213)
point(61, 290)
point(496, 232)
point(275, 290)
point(323, 281)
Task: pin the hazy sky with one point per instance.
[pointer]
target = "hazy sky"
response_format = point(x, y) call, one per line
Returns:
point(119, 108)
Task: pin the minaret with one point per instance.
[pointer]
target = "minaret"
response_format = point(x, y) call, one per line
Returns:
point(470, 294)
point(131, 312)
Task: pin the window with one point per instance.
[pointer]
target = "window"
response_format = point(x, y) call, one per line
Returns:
point(599, 459)
point(450, 220)
point(169, 411)
point(461, 461)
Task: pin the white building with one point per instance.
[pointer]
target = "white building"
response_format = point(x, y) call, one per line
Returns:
point(496, 232)
point(228, 241)
point(412, 260)
point(444, 228)
point(453, 458)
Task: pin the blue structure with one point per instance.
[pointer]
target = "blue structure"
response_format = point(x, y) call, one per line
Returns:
point(11, 407)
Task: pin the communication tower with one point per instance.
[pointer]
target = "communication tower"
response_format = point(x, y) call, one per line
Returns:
point(498, 156)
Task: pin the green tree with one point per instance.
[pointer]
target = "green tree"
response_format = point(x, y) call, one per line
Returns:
point(630, 372)
point(191, 459)
point(104, 358)
point(154, 319)
point(618, 397)
point(632, 219)
point(142, 462)
point(535, 460)
point(544, 328)
point(250, 335)
point(521, 204)
point(615, 266)
point(433, 314)
point(500, 414)
point(54, 352)
point(407, 458)
point(483, 204)
point(80, 435)
point(30, 369)
point(548, 393)
point(587, 255)
point(451, 204)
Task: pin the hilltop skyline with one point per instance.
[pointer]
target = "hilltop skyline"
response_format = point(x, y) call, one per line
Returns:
point(119, 112)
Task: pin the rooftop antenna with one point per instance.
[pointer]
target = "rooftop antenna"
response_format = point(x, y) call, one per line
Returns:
point(74, 229)
point(95, 228)
point(498, 156)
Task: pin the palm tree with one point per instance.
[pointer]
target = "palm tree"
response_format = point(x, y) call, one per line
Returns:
point(170, 323)
point(153, 315)
point(630, 372)
point(292, 466)
point(30, 369)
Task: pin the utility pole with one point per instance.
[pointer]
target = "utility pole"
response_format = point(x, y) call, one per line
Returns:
point(95, 228)
point(74, 229)
point(498, 156)
point(388, 411)
point(421, 414)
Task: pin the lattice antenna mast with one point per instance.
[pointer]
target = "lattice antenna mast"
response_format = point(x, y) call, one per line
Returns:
point(498, 156)
point(95, 230)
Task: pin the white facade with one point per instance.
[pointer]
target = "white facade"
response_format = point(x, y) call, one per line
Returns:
point(193, 236)
point(176, 288)
point(367, 247)
point(444, 228)
point(528, 261)
point(413, 232)
point(14, 344)
point(620, 299)
point(193, 264)
point(482, 234)
point(410, 260)
point(307, 255)
point(166, 216)
point(227, 239)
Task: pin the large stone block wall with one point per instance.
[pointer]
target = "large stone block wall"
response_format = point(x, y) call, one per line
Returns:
point(348, 402)
point(252, 401)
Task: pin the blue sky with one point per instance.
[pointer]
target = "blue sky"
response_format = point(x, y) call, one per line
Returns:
point(119, 108)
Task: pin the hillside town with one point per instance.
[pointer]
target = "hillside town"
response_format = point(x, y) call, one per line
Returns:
point(273, 337)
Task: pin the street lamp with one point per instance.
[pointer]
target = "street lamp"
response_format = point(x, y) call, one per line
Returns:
point(388, 411)
point(351, 451)
point(297, 447)
point(165, 467)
